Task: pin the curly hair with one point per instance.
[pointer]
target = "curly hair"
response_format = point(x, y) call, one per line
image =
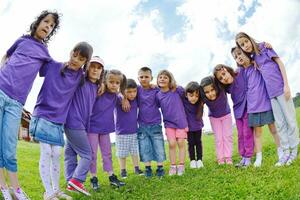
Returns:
point(38, 20)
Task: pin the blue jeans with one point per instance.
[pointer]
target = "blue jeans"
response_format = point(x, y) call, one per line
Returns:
point(47, 132)
point(10, 119)
point(151, 143)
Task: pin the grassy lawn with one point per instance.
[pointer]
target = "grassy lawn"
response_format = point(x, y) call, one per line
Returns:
point(211, 182)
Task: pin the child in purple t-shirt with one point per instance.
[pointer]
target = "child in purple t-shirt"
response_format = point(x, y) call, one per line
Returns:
point(19, 68)
point(126, 130)
point(258, 104)
point(274, 74)
point(102, 124)
point(235, 83)
point(220, 118)
point(194, 110)
point(76, 126)
point(170, 100)
point(50, 113)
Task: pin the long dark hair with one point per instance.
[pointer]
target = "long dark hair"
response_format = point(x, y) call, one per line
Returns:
point(209, 80)
point(38, 20)
point(220, 67)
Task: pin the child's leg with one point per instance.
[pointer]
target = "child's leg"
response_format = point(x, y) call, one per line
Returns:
point(122, 163)
point(248, 135)
point(105, 148)
point(217, 129)
point(240, 132)
point(94, 142)
point(258, 139)
point(55, 167)
point(227, 137)
point(191, 144)
point(70, 160)
point(157, 144)
point(181, 152)
point(172, 150)
point(198, 142)
point(273, 131)
point(45, 161)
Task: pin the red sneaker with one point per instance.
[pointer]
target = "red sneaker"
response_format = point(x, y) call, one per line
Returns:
point(71, 189)
point(77, 185)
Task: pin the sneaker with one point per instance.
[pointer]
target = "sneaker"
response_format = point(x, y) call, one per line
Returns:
point(193, 164)
point(160, 172)
point(293, 156)
point(228, 161)
point(247, 162)
point(180, 170)
point(241, 163)
point(257, 163)
point(199, 164)
point(139, 172)
point(62, 195)
point(123, 174)
point(148, 172)
point(71, 189)
point(78, 186)
point(172, 170)
point(283, 160)
point(6, 194)
point(94, 183)
point(51, 197)
point(280, 153)
point(20, 194)
point(114, 181)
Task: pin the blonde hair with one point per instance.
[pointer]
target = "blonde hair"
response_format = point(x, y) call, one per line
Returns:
point(172, 83)
point(253, 42)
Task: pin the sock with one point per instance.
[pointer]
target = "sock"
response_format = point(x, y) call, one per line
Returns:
point(159, 167)
point(258, 156)
point(136, 168)
point(148, 168)
point(123, 170)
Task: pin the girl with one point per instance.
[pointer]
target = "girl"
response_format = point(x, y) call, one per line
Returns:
point(76, 126)
point(176, 126)
point(192, 104)
point(51, 111)
point(235, 83)
point(274, 75)
point(220, 118)
point(258, 104)
point(102, 123)
point(20, 67)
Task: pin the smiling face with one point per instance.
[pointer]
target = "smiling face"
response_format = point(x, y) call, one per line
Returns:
point(240, 57)
point(210, 92)
point(94, 72)
point(245, 44)
point(163, 81)
point(192, 97)
point(224, 76)
point(45, 27)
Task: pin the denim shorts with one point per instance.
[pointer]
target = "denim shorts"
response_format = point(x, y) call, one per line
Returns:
point(47, 132)
point(10, 119)
point(260, 119)
point(151, 143)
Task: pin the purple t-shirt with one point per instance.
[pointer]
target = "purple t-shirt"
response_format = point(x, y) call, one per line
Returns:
point(126, 122)
point(172, 108)
point(257, 97)
point(102, 119)
point(270, 71)
point(25, 58)
point(81, 107)
point(57, 91)
point(194, 124)
point(148, 113)
point(238, 91)
point(218, 107)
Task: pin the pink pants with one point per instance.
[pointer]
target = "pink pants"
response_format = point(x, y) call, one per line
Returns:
point(245, 137)
point(105, 147)
point(222, 127)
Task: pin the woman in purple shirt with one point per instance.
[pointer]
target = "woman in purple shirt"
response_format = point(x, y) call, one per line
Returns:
point(19, 68)
point(275, 77)
point(50, 113)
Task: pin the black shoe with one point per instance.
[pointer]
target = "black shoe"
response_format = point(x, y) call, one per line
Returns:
point(148, 172)
point(94, 183)
point(114, 181)
point(160, 172)
point(123, 174)
point(139, 172)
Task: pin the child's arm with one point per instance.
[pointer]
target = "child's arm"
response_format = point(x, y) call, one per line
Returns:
point(3, 60)
point(125, 105)
point(286, 89)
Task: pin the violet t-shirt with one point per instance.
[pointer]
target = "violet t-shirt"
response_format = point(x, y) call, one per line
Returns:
point(270, 71)
point(126, 122)
point(194, 124)
point(25, 58)
point(81, 107)
point(102, 119)
point(238, 91)
point(148, 113)
point(172, 108)
point(57, 91)
point(257, 97)
point(218, 107)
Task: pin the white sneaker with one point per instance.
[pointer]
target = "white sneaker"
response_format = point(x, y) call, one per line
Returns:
point(280, 153)
point(21, 195)
point(6, 194)
point(257, 163)
point(199, 164)
point(283, 160)
point(193, 164)
point(293, 156)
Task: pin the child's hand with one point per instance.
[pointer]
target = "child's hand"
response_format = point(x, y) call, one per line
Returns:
point(152, 86)
point(101, 89)
point(268, 45)
point(287, 92)
point(125, 105)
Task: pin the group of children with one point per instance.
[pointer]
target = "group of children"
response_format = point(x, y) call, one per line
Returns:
point(87, 103)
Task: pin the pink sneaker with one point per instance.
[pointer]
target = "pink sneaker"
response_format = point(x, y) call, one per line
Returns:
point(172, 170)
point(180, 170)
point(78, 186)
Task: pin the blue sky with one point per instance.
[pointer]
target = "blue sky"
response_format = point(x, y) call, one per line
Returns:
point(188, 37)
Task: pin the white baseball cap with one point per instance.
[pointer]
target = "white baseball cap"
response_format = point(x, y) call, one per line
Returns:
point(97, 59)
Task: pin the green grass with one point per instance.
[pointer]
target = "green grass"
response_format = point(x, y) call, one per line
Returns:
point(211, 182)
